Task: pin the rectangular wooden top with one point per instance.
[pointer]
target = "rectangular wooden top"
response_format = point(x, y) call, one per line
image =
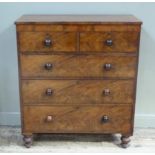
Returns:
point(78, 19)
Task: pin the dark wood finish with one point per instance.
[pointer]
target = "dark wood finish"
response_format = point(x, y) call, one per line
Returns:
point(78, 66)
point(77, 119)
point(78, 74)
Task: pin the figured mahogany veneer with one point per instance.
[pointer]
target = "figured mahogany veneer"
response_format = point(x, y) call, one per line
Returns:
point(60, 41)
point(78, 66)
point(89, 41)
point(109, 41)
point(77, 119)
point(77, 92)
point(78, 74)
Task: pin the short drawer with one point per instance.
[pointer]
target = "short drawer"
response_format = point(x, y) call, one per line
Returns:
point(78, 66)
point(47, 42)
point(62, 92)
point(76, 119)
point(109, 41)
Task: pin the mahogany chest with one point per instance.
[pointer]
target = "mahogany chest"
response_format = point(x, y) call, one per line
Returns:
point(78, 74)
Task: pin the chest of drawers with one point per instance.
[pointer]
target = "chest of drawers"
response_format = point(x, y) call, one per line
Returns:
point(77, 74)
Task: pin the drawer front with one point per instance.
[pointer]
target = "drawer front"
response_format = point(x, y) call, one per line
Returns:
point(63, 92)
point(109, 41)
point(47, 42)
point(77, 66)
point(75, 119)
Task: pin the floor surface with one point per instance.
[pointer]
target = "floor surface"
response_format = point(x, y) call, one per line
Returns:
point(11, 141)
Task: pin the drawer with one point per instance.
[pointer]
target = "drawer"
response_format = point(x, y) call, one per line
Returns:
point(109, 41)
point(47, 42)
point(62, 92)
point(76, 119)
point(77, 66)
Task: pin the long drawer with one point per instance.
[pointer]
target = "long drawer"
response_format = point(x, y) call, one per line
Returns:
point(77, 119)
point(63, 92)
point(78, 66)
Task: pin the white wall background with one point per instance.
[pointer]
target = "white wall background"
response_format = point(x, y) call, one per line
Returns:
point(9, 12)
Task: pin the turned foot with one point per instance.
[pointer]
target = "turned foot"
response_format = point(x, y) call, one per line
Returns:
point(125, 141)
point(27, 141)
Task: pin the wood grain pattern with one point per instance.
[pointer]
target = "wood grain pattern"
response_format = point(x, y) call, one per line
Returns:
point(77, 119)
point(77, 28)
point(122, 42)
point(77, 66)
point(77, 92)
point(84, 79)
point(61, 41)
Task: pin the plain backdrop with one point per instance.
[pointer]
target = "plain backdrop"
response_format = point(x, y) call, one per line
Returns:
point(9, 93)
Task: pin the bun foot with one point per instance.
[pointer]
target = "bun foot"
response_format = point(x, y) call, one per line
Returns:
point(27, 141)
point(125, 141)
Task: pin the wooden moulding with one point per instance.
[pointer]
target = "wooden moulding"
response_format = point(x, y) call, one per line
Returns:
point(76, 28)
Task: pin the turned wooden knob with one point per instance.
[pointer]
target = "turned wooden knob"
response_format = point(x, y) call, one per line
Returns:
point(48, 66)
point(49, 92)
point(47, 42)
point(49, 118)
point(106, 92)
point(107, 66)
point(109, 42)
point(105, 119)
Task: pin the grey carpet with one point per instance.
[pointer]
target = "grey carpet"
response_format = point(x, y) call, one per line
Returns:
point(11, 141)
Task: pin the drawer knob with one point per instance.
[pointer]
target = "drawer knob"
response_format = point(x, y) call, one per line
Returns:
point(105, 119)
point(49, 92)
point(47, 42)
point(106, 92)
point(107, 67)
point(109, 42)
point(48, 66)
point(49, 118)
